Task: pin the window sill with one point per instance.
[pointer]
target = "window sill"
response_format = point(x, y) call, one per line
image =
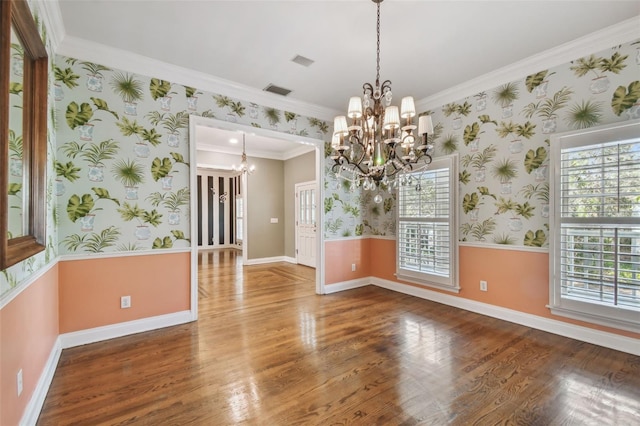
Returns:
point(617, 323)
point(427, 283)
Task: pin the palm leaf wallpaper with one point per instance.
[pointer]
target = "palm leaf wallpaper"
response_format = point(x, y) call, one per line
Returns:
point(126, 137)
point(118, 153)
point(502, 137)
point(119, 159)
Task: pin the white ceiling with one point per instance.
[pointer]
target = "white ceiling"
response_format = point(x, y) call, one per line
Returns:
point(426, 47)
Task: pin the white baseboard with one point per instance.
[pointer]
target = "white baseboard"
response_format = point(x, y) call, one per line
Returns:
point(584, 334)
point(346, 285)
point(83, 337)
point(262, 260)
point(33, 408)
point(290, 259)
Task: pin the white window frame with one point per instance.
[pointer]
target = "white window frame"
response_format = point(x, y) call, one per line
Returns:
point(449, 281)
point(593, 312)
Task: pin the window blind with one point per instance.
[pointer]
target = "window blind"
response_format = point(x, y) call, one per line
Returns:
point(600, 257)
point(595, 271)
point(426, 239)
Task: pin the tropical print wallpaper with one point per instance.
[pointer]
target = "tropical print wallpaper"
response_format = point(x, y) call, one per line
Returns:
point(12, 277)
point(118, 177)
point(502, 136)
point(119, 160)
point(122, 161)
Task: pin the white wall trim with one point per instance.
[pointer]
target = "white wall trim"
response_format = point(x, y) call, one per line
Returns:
point(263, 260)
point(33, 408)
point(91, 256)
point(218, 246)
point(284, 156)
point(320, 216)
point(504, 247)
point(23, 285)
point(347, 285)
point(622, 32)
point(52, 18)
point(98, 334)
point(193, 222)
point(290, 259)
point(339, 239)
point(132, 62)
point(382, 237)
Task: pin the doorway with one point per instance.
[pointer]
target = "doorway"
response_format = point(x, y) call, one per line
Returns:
point(302, 143)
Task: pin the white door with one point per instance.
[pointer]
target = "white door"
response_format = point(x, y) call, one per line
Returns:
point(306, 223)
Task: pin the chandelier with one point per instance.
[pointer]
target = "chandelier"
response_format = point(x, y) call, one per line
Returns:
point(244, 166)
point(378, 148)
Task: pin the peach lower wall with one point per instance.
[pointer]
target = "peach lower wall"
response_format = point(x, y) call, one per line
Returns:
point(339, 257)
point(90, 289)
point(28, 333)
point(517, 280)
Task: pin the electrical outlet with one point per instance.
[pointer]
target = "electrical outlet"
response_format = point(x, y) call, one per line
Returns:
point(19, 381)
point(353, 267)
point(483, 285)
point(125, 302)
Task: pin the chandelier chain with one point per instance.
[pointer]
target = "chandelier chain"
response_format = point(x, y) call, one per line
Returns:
point(378, 49)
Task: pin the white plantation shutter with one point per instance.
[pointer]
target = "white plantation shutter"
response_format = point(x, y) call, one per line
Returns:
point(427, 230)
point(596, 247)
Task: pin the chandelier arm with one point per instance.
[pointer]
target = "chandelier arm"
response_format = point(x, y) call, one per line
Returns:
point(361, 158)
point(386, 87)
point(429, 158)
point(367, 89)
point(343, 161)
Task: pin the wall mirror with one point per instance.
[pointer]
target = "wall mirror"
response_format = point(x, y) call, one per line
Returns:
point(23, 134)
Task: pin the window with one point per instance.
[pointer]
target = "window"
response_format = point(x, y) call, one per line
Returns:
point(595, 251)
point(427, 243)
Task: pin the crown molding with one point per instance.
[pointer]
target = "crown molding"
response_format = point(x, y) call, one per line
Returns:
point(622, 32)
point(270, 155)
point(52, 18)
point(63, 44)
point(117, 58)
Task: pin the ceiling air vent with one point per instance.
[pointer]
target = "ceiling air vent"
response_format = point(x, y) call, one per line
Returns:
point(277, 90)
point(301, 60)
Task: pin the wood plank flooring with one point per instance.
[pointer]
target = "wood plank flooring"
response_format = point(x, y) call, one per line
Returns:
point(268, 351)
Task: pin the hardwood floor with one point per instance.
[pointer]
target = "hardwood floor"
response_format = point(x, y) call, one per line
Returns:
point(268, 351)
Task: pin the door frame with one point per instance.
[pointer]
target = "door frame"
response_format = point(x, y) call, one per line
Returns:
point(194, 122)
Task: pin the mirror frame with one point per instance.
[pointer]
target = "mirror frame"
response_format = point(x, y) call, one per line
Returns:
point(16, 15)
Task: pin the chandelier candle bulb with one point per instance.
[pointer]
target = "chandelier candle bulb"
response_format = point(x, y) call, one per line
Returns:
point(407, 107)
point(340, 125)
point(391, 118)
point(335, 141)
point(425, 125)
point(355, 107)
